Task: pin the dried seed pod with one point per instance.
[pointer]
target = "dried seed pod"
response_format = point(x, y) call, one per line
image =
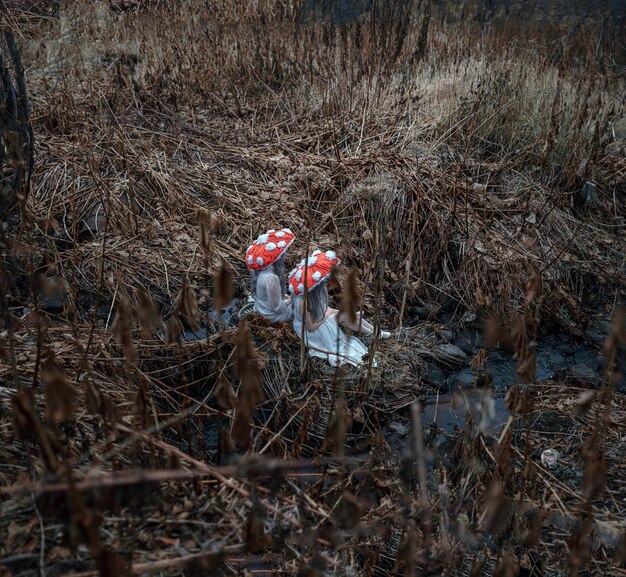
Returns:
point(188, 306)
point(59, 393)
point(250, 392)
point(584, 402)
point(498, 508)
point(227, 444)
point(23, 414)
point(146, 312)
point(527, 366)
point(349, 304)
point(247, 367)
point(173, 330)
point(256, 539)
point(595, 478)
point(205, 224)
point(337, 429)
point(492, 331)
point(93, 398)
point(142, 404)
point(508, 565)
point(406, 553)
point(207, 564)
point(223, 287)
point(225, 395)
point(349, 512)
point(121, 329)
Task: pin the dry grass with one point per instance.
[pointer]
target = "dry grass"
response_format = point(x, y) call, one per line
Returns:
point(443, 160)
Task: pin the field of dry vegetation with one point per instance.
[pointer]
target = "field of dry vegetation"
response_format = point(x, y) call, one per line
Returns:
point(467, 162)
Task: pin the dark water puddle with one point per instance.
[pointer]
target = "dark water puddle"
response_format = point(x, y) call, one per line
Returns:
point(449, 412)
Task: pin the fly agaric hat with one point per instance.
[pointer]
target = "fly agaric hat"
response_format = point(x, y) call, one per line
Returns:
point(268, 248)
point(320, 265)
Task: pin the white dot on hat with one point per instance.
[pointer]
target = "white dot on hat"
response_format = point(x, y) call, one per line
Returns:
point(287, 230)
point(317, 275)
point(280, 233)
point(330, 255)
point(260, 261)
point(299, 275)
point(250, 259)
point(262, 239)
point(270, 246)
point(312, 260)
point(300, 288)
point(271, 231)
point(315, 252)
point(281, 243)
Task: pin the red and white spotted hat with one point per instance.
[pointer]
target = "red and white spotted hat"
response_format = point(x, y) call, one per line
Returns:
point(268, 248)
point(320, 265)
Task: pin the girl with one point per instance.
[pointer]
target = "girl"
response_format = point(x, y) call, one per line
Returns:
point(322, 334)
point(264, 258)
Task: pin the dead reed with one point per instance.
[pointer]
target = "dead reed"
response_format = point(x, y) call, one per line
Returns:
point(442, 154)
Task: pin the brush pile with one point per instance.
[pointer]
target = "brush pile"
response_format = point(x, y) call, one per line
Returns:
point(466, 161)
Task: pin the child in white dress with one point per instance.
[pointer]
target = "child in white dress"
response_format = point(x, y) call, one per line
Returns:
point(264, 258)
point(320, 326)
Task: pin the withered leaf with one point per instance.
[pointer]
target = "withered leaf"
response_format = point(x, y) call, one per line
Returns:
point(492, 331)
point(256, 539)
point(511, 398)
point(241, 427)
point(533, 287)
point(204, 564)
point(146, 312)
point(122, 332)
point(142, 404)
point(98, 403)
point(59, 393)
point(188, 306)
point(173, 330)
point(482, 299)
point(595, 478)
point(93, 398)
point(622, 549)
point(534, 519)
point(477, 568)
point(205, 225)
point(23, 414)
point(584, 402)
point(479, 359)
point(227, 445)
point(526, 368)
point(223, 287)
point(337, 429)
point(497, 509)
point(110, 565)
point(405, 472)
point(250, 391)
point(349, 304)
point(406, 552)
point(225, 395)
point(247, 367)
point(349, 512)
point(508, 565)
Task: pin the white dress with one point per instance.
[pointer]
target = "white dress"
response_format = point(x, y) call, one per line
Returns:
point(269, 301)
point(328, 340)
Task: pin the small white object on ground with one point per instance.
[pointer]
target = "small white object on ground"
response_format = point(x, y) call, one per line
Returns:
point(549, 458)
point(384, 335)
